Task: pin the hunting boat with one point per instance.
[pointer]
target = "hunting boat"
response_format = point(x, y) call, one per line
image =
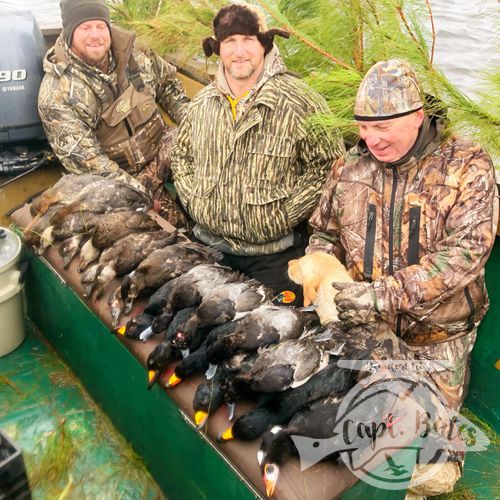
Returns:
point(158, 424)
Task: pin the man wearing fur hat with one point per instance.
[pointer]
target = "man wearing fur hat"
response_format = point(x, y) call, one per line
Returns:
point(412, 212)
point(100, 103)
point(245, 166)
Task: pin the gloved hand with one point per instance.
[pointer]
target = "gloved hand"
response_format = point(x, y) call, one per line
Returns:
point(355, 303)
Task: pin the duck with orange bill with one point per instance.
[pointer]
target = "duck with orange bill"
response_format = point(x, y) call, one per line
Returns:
point(316, 420)
point(165, 353)
point(208, 398)
point(196, 361)
point(282, 406)
point(141, 327)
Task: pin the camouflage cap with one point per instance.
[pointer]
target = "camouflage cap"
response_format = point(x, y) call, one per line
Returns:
point(388, 90)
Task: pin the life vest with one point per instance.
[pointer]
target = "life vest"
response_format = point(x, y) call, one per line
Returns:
point(131, 126)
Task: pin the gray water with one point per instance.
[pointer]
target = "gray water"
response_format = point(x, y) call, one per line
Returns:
point(467, 39)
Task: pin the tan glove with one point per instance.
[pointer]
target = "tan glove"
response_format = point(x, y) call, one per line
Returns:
point(316, 272)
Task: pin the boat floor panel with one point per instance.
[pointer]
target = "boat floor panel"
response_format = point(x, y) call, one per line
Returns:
point(69, 445)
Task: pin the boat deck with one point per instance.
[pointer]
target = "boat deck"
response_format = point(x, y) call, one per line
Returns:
point(70, 447)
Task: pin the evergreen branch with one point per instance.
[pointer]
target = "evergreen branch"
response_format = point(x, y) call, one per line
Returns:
point(431, 17)
point(158, 8)
point(401, 14)
point(358, 38)
point(303, 38)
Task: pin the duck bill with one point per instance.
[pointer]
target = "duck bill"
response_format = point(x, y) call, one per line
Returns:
point(116, 312)
point(271, 473)
point(200, 417)
point(227, 435)
point(121, 330)
point(152, 377)
point(173, 381)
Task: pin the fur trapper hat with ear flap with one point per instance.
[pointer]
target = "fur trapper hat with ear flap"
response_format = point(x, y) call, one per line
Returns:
point(241, 19)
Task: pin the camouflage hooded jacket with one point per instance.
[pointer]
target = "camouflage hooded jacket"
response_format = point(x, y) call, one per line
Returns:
point(74, 95)
point(251, 181)
point(421, 231)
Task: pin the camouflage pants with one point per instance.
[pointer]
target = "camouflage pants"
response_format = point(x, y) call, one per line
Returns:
point(154, 176)
point(442, 368)
point(452, 382)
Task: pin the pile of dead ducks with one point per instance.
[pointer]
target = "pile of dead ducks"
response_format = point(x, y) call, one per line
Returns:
point(212, 319)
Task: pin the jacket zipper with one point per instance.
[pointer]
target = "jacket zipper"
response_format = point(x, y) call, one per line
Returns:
point(391, 220)
point(391, 238)
point(371, 227)
point(414, 236)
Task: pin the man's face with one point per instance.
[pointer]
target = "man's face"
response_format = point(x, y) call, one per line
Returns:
point(390, 140)
point(242, 56)
point(91, 41)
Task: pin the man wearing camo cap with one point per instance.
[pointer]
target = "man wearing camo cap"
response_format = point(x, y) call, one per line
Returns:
point(412, 212)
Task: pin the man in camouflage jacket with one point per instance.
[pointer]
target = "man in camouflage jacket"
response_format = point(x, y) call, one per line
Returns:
point(412, 213)
point(245, 166)
point(100, 103)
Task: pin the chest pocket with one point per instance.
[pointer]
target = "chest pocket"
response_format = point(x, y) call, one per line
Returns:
point(136, 107)
point(271, 157)
point(264, 209)
point(263, 193)
point(272, 145)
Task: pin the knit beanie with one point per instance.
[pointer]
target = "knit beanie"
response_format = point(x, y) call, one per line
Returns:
point(241, 19)
point(76, 12)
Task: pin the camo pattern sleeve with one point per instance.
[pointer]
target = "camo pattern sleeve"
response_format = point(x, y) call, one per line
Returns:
point(326, 234)
point(161, 76)
point(457, 252)
point(72, 138)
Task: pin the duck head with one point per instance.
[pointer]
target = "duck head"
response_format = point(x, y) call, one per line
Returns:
point(183, 338)
point(116, 305)
point(275, 448)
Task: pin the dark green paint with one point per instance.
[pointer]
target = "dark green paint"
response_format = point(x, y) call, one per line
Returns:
point(183, 464)
point(484, 393)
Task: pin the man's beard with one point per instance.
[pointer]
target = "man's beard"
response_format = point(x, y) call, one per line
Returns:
point(242, 74)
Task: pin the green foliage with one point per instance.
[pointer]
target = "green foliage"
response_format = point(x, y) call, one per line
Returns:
point(332, 44)
point(169, 27)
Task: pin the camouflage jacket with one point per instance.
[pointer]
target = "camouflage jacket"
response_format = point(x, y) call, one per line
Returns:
point(421, 231)
point(249, 182)
point(74, 95)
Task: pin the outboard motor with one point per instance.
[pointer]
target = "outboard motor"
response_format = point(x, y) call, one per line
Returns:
point(22, 141)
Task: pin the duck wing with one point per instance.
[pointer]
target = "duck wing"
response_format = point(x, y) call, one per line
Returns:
point(251, 298)
point(287, 364)
point(62, 192)
point(118, 223)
